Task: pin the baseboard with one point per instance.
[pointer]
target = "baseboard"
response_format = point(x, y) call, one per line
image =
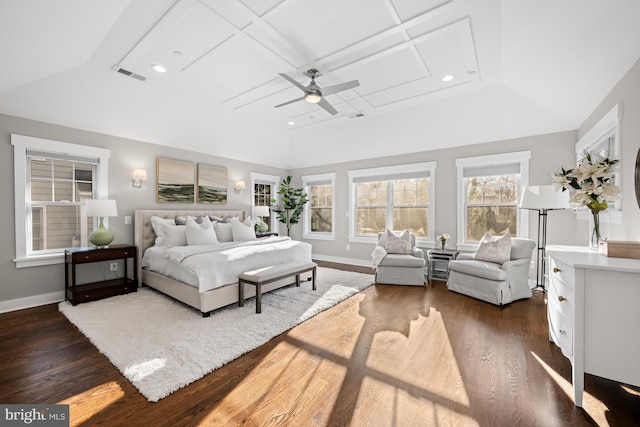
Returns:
point(341, 260)
point(28, 302)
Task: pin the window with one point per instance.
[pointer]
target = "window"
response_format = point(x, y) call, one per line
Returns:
point(395, 198)
point(489, 191)
point(264, 188)
point(319, 218)
point(52, 180)
point(604, 139)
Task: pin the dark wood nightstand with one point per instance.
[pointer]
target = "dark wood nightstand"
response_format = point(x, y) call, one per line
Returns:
point(75, 293)
point(267, 234)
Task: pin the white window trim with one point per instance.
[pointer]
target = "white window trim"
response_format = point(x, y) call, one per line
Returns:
point(608, 125)
point(274, 181)
point(493, 159)
point(20, 145)
point(308, 181)
point(422, 242)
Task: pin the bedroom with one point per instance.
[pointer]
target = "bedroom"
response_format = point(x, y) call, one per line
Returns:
point(465, 124)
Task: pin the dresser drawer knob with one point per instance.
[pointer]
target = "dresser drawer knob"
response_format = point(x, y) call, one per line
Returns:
point(561, 298)
point(556, 270)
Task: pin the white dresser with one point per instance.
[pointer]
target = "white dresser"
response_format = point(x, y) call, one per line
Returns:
point(594, 314)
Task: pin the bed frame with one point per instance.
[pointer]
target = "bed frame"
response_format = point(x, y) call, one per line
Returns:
point(205, 302)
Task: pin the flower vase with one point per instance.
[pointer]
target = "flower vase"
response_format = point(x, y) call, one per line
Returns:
point(595, 231)
point(443, 243)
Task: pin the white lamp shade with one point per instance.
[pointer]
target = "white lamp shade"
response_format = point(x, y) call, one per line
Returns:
point(140, 174)
point(544, 197)
point(261, 211)
point(101, 207)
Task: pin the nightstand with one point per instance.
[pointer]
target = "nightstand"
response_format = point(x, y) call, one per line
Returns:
point(266, 234)
point(101, 289)
point(439, 263)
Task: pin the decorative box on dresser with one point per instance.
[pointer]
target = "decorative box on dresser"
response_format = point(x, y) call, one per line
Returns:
point(593, 312)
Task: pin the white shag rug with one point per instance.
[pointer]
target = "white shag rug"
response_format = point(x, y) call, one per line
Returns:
point(161, 345)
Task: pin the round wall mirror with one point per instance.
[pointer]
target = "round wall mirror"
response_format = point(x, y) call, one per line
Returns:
point(638, 178)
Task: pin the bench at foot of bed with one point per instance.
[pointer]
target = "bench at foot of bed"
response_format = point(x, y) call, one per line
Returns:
point(265, 275)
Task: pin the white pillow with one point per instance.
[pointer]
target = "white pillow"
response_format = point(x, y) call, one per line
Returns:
point(159, 225)
point(494, 248)
point(223, 232)
point(398, 244)
point(242, 231)
point(175, 235)
point(201, 234)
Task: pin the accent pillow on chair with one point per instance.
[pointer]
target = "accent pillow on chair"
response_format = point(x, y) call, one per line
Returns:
point(495, 249)
point(398, 244)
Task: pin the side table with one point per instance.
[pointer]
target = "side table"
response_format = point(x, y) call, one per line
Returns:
point(439, 263)
point(100, 289)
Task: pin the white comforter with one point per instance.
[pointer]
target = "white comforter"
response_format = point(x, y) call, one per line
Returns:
point(220, 264)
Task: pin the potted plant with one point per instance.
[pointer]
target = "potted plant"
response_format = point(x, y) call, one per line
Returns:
point(293, 200)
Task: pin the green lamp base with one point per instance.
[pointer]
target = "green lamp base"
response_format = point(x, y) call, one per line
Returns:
point(101, 237)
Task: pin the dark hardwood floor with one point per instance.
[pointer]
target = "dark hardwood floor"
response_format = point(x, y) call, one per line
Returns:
point(389, 356)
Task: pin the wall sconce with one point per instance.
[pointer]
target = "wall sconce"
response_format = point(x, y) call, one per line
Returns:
point(139, 175)
point(240, 186)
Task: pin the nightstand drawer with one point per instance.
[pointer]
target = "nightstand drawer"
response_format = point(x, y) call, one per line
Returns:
point(107, 254)
point(562, 296)
point(561, 330)
point(566, 273)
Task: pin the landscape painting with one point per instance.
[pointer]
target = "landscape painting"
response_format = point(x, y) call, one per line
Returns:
point(212, 184)
point(175, 180)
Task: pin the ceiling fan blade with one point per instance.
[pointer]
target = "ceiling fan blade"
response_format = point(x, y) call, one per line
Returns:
point(324, 104)
point(340, 87)
point(290, 102)
point(293, 81)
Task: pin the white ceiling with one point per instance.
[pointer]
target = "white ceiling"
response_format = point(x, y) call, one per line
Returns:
point(520, 68)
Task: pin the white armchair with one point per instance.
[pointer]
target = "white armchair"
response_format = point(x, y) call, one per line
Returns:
point(495, 283)
point(397, 268)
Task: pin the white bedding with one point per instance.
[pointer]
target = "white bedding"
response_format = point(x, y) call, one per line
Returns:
point(220, 264)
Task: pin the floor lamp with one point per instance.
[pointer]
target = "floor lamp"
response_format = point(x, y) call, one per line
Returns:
point(543, 198)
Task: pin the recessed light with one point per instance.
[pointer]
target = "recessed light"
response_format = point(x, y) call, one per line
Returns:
point(447, 78)
point(291, 123)
point(158, 68)
point(177, 53)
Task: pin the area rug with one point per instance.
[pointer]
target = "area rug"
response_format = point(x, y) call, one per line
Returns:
point(161, 345)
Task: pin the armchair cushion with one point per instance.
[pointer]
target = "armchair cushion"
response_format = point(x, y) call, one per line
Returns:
point(402, 260)
point(483, 269)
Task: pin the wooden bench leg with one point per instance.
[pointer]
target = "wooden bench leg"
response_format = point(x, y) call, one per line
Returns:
point(258, 298)
point(240, 294)
point(298, 280)
point(313, 278)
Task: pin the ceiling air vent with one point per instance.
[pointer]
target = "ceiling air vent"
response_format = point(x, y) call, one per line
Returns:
point(356, 115)
point(130, 74)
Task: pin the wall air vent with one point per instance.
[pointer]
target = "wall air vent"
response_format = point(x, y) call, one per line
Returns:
point(130, 74)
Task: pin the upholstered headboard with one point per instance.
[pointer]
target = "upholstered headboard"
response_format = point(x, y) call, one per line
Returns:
point(144, 237)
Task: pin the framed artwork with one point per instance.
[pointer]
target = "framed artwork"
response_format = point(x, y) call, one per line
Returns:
point(175, 180)
point(212, 184)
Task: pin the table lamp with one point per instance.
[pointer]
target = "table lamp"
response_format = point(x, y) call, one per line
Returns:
point(101, 237)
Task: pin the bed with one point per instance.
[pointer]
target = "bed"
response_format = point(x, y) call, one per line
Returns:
point(193, 289)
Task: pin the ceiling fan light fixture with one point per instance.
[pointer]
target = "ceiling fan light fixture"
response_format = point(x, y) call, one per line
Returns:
point(313, 98)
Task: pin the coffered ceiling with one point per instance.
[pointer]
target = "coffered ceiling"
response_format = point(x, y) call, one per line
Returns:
point(88, 65)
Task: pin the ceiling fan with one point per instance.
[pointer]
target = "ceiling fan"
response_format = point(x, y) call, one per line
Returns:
point(314, 94)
